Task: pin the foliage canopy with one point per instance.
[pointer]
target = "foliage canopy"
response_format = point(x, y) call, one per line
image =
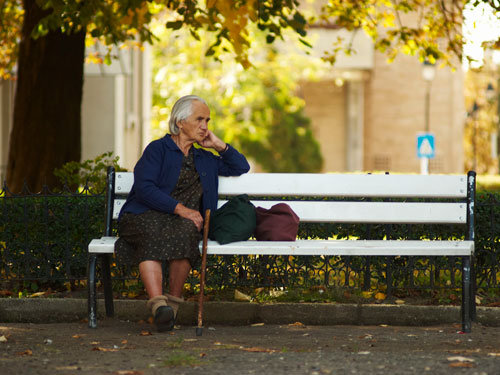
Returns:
point(256, 110)
point(426, 28)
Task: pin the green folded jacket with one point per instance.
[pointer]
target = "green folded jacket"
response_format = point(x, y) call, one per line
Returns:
point(234, 221)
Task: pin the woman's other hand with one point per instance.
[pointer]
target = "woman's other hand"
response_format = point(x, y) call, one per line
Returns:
point(190, 214)
point(212, 141)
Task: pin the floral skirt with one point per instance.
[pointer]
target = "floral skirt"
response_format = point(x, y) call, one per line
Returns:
point(155, 235)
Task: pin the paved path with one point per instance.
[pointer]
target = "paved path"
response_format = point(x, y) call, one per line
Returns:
point(131, 348)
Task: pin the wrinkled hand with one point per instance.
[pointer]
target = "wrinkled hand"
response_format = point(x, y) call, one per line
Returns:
point(189, 214)
point(212, 141)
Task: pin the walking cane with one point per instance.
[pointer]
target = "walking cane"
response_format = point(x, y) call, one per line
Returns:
point(199, 329)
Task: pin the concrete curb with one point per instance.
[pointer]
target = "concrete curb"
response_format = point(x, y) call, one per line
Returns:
point(48, 310)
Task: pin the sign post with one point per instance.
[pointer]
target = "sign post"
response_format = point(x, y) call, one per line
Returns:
point(425, 150)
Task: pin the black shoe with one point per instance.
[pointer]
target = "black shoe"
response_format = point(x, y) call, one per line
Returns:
point(164, 319)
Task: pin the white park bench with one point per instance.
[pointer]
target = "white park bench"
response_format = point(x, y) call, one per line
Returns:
point(458, 190)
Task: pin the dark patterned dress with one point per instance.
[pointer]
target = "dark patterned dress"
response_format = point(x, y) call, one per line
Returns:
point(161, 236)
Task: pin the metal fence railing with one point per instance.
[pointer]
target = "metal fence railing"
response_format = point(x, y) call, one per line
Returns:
point(44, 238)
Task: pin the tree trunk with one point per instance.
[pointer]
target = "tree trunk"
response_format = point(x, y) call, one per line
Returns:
point(46, 129)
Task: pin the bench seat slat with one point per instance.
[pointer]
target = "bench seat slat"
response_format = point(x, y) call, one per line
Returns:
point(105, 245)
point(344, 247)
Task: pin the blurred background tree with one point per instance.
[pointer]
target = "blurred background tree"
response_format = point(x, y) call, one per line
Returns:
point(257, 110)
point(481, 126)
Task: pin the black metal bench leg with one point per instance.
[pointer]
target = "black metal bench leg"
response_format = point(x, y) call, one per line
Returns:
point(466, 296)
point(108, 290)
point(473, 288)
point(92, 294)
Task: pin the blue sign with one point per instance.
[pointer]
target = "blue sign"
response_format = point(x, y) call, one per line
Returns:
point(425, 146)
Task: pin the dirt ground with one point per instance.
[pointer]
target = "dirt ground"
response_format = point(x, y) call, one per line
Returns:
point(130, 348)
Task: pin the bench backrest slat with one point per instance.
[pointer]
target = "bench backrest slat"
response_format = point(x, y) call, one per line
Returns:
point(345, 185)
point(331, 185)
point(374, 212)
point(124, 182)
point(280, 185)
point(364, 212)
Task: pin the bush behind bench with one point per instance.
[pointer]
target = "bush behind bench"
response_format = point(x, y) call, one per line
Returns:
point(43, 241)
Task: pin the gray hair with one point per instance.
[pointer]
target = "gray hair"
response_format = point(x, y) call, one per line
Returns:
point(182, 109)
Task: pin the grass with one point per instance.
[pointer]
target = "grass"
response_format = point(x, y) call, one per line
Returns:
point(180, 358)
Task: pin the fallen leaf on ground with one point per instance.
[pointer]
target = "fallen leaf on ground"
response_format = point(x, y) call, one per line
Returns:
point(366, 294)
point(77, 336)
point(202, 355)
point(95, 343)
point(26, 352)
point(124, 342)
point(37, 294)
point(298, 324)
point(145, 333)
point(67, 368)
point(363, 353)
point(460, 359)
point(257, 349)
point(101, 349)
point(128, 372)
point(494, 354)
point(399, 302)
point(366, 337)
point(239, 296)
point(462, 364)
point(257, 325)
point(276, 293)
point(380, 296)
point(3, 339)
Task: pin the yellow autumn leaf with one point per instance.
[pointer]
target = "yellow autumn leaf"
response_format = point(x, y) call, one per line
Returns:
point(37, 294)
point(239, 296)
point(367, 294)
point(132, 294)
point(380, 296)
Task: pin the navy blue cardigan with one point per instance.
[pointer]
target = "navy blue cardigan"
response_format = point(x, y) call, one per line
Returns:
point(157, 171)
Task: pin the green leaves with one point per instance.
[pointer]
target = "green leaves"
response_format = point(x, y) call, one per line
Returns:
point(256, 109)
point(90, 174)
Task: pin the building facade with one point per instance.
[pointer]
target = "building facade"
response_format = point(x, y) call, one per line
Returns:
point(368, 113)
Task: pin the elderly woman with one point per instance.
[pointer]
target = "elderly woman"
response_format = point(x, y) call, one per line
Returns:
point(174, 183)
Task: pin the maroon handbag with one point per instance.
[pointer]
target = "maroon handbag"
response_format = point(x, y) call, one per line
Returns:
point(279, 223)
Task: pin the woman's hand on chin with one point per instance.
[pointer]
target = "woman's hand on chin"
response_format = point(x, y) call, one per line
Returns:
point(212, 141)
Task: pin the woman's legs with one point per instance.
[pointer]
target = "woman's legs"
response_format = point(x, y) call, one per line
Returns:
point(152, 277)
point(178, 273)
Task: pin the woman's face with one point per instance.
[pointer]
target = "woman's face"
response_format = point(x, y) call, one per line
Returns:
point(195, 127)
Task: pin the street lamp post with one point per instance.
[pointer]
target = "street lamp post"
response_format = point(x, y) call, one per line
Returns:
point(428, 74)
